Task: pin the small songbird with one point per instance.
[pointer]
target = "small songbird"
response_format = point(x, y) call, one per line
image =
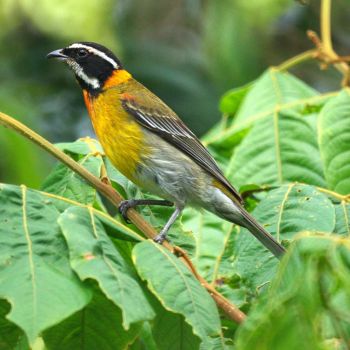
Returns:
point(148, 143)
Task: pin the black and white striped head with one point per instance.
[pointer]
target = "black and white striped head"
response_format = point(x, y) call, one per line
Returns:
point(91, 63)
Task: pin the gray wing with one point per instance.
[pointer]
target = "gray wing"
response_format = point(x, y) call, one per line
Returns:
point(165, 123)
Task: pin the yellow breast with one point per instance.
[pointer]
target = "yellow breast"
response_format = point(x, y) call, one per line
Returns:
point(120, 136)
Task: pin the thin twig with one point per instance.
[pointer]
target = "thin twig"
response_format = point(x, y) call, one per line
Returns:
point(326, 26)
point(115, 198)
point(293, 61)
point(326, 53)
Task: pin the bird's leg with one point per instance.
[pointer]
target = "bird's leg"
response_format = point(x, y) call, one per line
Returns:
point(162, 235)
point(124, 206)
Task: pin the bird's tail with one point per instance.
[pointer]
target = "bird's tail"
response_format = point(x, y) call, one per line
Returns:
point(262, 235)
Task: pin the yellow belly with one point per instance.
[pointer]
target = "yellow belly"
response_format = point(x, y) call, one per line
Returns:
point(120, 136)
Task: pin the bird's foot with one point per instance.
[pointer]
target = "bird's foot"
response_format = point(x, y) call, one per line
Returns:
point(161, 237)
point(123, 208)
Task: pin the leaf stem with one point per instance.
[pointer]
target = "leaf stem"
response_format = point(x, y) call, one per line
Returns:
point(115, 198)
point(293, 61)
point(327, 52)
point(333, 194)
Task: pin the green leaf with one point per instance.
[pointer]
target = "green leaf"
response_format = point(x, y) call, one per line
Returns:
point(273, 93)
point(10, 334)
point(342, 214)
point(177, 289)
point(66, 183)
point(114, 228)
point(171, 332)
point(308, 302)
point(272, 90)
point(35, 274)
point(211, 234)
point(277, 150)
point(232, 99)
point(285, 212)
point(97, 326)
point(145, 340)
point(93, 255)
point(83, 146)
point(334, 141)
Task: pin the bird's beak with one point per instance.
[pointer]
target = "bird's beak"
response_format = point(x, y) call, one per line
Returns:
point(57, 54)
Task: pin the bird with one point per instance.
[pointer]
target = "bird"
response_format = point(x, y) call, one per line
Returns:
point(151, 146)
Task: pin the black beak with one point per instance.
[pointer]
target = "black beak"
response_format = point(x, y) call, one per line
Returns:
point(57, 54)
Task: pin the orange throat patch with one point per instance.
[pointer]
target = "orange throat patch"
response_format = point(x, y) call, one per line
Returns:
point(118, 76)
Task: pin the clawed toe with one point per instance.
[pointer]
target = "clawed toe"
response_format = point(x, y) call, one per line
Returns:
point(160, 238)
point(123, 208)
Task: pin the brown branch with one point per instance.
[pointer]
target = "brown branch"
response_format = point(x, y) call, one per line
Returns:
point(115, 198)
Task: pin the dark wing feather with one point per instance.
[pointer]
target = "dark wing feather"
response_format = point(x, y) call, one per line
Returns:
point(165, 123)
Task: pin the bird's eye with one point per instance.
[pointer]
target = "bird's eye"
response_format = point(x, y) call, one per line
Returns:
point(82, 53)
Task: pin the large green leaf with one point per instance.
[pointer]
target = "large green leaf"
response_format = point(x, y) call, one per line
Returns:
point(171, 332)
point(277, 150)
point(342, 214)
point(308, 302)
point(97, 326)
point(35, 270)
point(11, 336)
point(93, 255)
point(66, 183)
point(211, 234)
point(285, 212)
point(225, 278)
point(35, 274)
point(145, 340)
point(271, 91)
point(177, 289)
point(82, 146)
point(233, 99)
point(334, 141)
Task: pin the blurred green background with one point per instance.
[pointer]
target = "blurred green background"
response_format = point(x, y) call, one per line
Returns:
point(189, 52)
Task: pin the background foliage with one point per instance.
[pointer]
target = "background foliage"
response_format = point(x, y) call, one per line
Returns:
point(188, 51)
point(74, 276)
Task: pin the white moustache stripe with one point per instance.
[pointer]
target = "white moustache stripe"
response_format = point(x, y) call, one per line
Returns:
point(78, 70)
point(95, 52)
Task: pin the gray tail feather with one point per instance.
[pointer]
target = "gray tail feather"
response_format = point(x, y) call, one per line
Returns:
point(262, 235)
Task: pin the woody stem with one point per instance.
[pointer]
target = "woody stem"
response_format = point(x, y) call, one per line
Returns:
point(115, 198)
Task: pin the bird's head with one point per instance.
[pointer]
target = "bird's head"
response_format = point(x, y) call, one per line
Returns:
point(91, 63)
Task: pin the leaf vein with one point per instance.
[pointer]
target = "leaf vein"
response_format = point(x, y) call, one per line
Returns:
point(280, 214)
point(184, 280)
point(30, 250)
point(347, 223)
point(277, 146)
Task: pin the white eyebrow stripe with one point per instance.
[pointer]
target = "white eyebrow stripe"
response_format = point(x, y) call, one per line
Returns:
point(96, 52)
